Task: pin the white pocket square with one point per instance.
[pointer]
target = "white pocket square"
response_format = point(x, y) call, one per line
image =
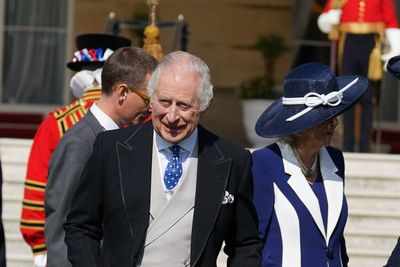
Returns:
point(228, 198)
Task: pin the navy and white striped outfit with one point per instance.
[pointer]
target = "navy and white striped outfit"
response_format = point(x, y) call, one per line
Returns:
point(300, 224)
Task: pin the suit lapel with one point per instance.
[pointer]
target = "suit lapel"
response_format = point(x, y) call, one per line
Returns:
point(299, 184)
point(334, 189)
point(134, 175)
point(212, 176)
point(158, 197)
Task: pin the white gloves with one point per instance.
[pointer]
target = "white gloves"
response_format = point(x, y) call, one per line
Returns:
point(40, 260)
point(84, 79)
point(393, 38)
point(328, 19)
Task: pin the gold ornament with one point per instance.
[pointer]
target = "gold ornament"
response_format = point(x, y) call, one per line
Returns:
point(151, 38)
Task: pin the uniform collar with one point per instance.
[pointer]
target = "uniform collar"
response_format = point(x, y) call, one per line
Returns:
point(91, 94)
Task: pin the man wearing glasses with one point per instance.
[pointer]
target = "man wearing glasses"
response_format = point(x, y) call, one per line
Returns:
point(123, 102)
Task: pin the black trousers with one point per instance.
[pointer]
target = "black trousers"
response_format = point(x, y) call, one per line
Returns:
point(356, 51)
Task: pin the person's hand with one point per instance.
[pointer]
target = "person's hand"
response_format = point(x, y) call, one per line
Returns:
point(328, 19)
point(40, 260)
point(393, 39)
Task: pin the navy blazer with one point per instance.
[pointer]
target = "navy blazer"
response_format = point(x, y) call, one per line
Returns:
point(298, 228)
point(394, 259)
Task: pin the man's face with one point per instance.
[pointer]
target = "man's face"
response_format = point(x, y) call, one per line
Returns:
point(135, 108)
point(175, 106)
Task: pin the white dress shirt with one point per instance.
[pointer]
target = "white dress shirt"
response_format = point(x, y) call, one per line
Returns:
point(105, 121)
point(165, 154)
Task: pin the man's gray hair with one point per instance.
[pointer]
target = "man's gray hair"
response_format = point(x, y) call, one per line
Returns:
point(180, 61)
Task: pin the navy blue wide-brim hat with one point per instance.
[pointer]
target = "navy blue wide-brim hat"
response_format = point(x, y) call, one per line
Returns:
point(312, 95)
point(393, 66)
point(92, 50)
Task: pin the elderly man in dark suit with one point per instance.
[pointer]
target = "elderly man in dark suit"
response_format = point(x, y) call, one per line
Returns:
point(123, 101)
point(167, 192)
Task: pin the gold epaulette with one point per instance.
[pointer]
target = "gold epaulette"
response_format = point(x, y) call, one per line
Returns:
point(67, 116)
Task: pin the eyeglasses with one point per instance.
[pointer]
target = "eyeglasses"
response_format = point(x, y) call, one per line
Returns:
point(143, 96)
point(146, 100)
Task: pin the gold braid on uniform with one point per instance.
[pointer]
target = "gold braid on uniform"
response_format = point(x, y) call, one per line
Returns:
point(335, 4)
point(71, 114)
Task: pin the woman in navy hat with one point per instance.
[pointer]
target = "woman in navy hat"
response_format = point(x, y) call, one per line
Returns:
point(298, 181)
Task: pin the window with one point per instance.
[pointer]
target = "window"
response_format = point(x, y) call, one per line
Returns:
point(34, 51)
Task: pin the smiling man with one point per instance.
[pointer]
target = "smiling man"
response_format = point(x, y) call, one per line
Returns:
point(167, 192)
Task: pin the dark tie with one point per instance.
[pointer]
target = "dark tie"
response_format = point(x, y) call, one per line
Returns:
point(174, 169)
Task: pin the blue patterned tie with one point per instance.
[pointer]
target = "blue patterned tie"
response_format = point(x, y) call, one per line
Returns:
point(174, 169)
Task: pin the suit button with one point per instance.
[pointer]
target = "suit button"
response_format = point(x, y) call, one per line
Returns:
point(329, 254)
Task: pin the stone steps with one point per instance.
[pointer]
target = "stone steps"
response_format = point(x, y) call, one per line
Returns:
point(14, 155)
point(373, 203)
point(371, 239)
point(364, 257)
point(19, 254)
point(372, 190)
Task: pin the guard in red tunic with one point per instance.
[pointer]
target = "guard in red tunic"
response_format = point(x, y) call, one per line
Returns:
point(361, 28)
point(93, 50)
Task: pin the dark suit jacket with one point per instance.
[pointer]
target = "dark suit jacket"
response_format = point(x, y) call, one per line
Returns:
point(65, 168)
point(2, 239)
point(113, 202)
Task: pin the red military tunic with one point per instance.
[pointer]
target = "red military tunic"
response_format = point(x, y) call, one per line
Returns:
point(363, 26)
point(367, 11)
point(45, 141)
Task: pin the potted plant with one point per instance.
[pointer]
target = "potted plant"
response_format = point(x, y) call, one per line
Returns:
point(259, 92)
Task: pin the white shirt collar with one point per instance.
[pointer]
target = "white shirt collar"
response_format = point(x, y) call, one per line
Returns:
point(105, 121)
point(187, 144)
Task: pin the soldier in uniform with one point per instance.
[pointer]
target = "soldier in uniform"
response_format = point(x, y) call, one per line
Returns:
point(360, 26)
point(93, 50)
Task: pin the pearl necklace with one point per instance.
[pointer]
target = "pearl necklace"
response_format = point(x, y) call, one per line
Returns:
point(307, 172)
